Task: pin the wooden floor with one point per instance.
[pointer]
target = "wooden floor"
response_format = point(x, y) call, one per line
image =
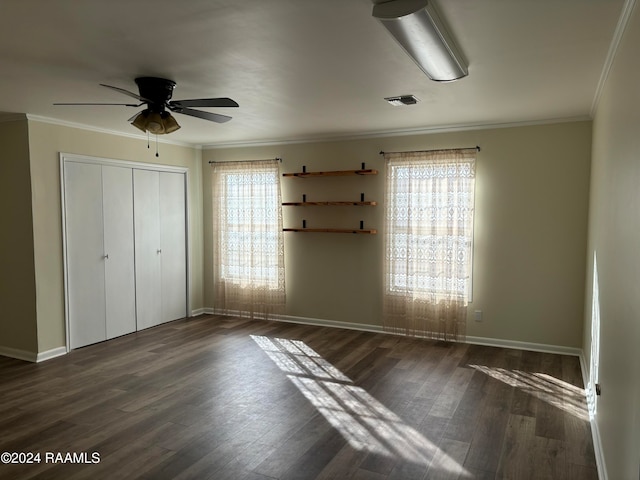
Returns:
point(226, 398)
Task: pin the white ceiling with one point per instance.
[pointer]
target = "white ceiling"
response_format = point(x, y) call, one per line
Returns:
point(300, 69)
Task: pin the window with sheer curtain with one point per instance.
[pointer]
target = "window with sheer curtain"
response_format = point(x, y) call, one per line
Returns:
point(248, 242)
point(429, 210)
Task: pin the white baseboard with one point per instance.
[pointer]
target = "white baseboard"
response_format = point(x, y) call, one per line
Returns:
point(49, 354)
point(595, 431)
point(597, 449)
point(535, 347)
point(199, 311)
point(318, 322)
point(34, 357)
point(18, 354)
point(492, 342)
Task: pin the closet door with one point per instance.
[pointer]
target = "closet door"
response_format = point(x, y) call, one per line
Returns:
point(146, 201)
point(172, 238)
point(84, 254)
point(120, 292)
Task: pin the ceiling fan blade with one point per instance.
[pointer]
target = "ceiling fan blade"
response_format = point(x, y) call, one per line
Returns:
point(205, 102)
point(126, 92)
point(121, 104)
point(133, 117)
point(213, 117)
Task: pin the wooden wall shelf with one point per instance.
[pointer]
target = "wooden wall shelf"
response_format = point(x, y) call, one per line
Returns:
point(325, 204)
point(304, 203)
point(369, 231)
point(335, 173)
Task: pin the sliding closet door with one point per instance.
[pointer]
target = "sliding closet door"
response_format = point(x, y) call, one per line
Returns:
point(120, 292)
point(125, 248)
point(84, 254)
point(172, 238)
point(148, 251)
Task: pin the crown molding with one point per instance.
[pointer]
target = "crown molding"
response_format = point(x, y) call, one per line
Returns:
point(623, 21)
point(303, 140)
point(63, 123)
point(396, 133)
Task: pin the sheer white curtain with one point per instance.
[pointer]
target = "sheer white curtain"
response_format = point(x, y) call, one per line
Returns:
point(248, 261)
point(429, 205)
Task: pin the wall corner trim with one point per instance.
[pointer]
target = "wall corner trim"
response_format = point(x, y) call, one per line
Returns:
point(625, 14)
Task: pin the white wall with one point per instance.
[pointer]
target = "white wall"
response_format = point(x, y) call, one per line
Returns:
point(530, 229)
point(614, 239)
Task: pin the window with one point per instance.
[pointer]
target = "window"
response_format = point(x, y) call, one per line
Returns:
point(428, 240)
point(248, 249)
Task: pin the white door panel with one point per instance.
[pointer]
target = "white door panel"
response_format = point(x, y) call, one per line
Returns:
point(172, 235)
point(117, 187)
point(84, 254)
point(147, 248)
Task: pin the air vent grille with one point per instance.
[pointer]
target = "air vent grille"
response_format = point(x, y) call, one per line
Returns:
point(402, 100)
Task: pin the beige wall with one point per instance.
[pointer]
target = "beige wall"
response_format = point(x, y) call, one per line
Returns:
point(46, 141)
point(530, 229)
point(17, 279)
point(614, 239)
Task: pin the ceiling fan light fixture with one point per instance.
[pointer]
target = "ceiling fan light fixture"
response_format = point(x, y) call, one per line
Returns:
point(170, 123)
point(155, 122)
point(419, 30)
point(140, 121)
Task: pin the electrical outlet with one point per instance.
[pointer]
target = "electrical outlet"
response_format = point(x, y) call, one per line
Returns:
point(477, 315)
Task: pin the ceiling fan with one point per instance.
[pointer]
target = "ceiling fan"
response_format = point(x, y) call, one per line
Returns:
point(156, 118)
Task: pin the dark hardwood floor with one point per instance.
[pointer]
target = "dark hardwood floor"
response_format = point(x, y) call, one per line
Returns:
point(228, 398)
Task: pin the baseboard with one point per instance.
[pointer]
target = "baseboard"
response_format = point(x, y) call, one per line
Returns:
point(595, 431)
point(32, 356)
point(199, 311)
point(534, 347)
point(597, 449)
point(18, 354)
point(492, 342)
point(318, 322)
point(49, 354)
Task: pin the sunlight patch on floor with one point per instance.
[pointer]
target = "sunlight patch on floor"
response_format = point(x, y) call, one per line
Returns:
point(547, 388)
point(362, 420)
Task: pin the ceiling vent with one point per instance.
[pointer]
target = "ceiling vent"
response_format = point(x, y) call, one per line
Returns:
point(402, 100)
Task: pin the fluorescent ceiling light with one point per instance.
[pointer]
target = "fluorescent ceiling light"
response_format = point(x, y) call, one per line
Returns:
point(417, 27)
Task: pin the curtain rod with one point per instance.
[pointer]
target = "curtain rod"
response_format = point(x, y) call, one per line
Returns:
point(232, 161)
point(477, 148)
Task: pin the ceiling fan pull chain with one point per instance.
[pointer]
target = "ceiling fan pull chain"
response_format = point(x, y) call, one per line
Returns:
point(157, 146)
point(148, 139)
